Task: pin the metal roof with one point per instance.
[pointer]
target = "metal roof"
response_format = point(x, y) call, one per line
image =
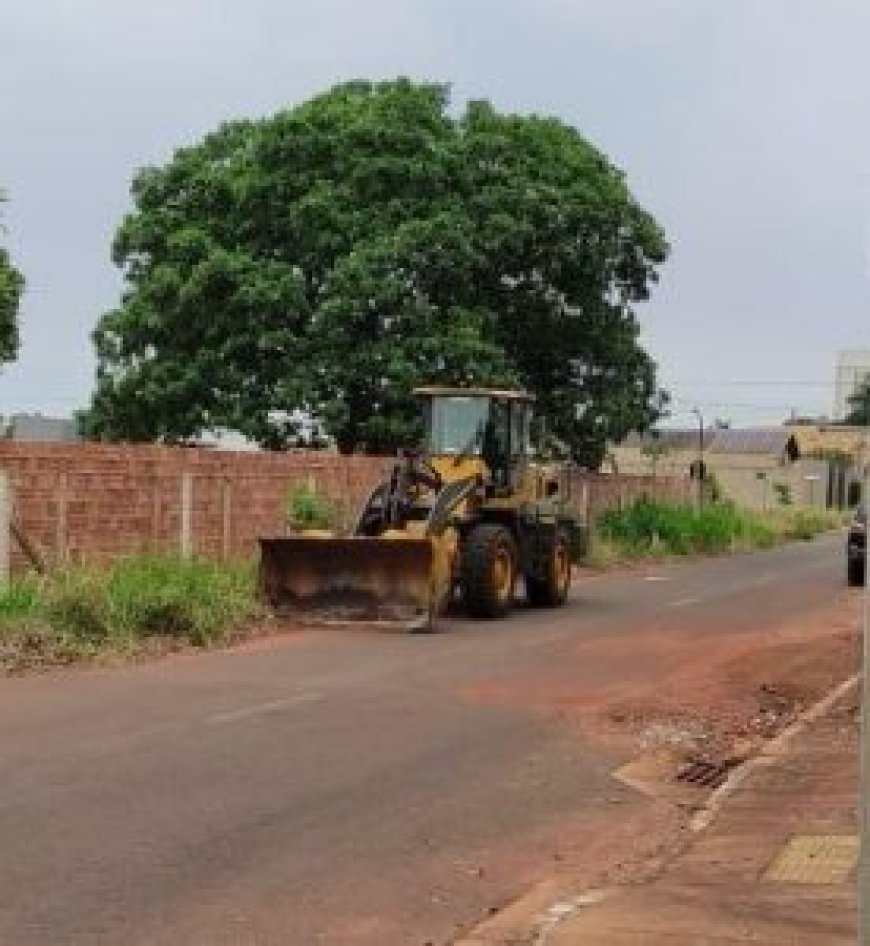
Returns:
point(772, 441)
point(669, 438)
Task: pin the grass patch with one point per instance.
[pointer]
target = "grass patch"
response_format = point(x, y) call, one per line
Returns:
point(654, 529)
point(20, 601)
point(136, 604)
point(197, 601)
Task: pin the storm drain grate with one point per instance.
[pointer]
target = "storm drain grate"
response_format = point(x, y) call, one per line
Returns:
point(815, 859)
point(704, 773)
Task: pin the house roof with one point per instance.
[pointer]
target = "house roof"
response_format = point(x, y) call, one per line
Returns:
point(813, 438)
point(772, 441)
point(670, 439)
point(760, 441)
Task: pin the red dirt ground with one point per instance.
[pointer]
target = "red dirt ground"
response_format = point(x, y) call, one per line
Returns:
point(701, 696)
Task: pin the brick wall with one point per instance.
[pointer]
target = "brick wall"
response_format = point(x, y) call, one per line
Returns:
point(94, 501)
point(594, 493)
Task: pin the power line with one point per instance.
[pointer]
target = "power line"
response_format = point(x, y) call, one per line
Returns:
point(767, 382)
point(746, 405)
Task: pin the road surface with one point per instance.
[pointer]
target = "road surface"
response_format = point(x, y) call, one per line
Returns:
point(340, 787)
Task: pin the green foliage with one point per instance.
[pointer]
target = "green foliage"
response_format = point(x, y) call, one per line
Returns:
point(859, 406)
point(805, 524)
point(653, 528)
point(20, 600)
point(783, 494)
point(136, 601)
point(194, 600)
point(75, 604)
point(308, 509)
point(676, 529)
point(11, 288)
point(329, 258)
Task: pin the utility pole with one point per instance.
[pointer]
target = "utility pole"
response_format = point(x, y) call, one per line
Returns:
point(696, 411)
point(864, 745)
point(864, 750)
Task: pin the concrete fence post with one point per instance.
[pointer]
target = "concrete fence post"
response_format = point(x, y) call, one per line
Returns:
point(186, 542)
point(349, 498)
point(60, 524)
point(226, 517)
point(5, 529)
point(155, 513)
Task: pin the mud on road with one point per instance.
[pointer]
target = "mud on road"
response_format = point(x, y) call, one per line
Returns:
point(700, 695)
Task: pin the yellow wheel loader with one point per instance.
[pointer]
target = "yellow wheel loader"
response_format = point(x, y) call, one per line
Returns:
point(468, 514)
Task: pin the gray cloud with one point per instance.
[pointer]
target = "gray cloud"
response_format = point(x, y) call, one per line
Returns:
point(742, 125)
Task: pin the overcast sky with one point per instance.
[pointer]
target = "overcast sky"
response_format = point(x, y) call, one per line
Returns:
point(743, 125)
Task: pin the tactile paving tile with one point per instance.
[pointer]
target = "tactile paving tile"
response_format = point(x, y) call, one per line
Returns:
point(815, 859)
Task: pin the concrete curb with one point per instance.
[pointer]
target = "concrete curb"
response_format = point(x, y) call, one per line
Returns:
point(548, 920)
point(770, 752)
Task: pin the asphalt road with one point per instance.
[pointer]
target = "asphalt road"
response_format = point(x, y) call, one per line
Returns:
point(337, 787)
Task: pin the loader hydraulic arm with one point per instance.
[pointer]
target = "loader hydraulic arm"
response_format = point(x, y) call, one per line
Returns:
point(390, 503)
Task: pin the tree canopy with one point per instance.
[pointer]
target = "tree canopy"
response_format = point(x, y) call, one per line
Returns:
point(859, 406)
point(11, 288)
point(329, 258)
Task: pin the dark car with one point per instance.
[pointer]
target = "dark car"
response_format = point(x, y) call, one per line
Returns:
point(856, 553)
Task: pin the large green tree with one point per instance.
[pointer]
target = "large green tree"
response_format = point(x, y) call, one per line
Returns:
point(11, 288)
point(330, 257)
point(859, 406)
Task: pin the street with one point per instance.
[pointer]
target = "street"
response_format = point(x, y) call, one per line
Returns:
point(355, 786)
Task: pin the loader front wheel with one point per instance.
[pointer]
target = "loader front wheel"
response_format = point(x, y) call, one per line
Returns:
point(489, 571)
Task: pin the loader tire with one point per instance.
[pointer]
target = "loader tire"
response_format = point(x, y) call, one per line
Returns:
point(489, 571)
point(550, 590)
point(855, 574)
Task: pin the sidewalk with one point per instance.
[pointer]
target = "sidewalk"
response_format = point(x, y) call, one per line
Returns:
point(733, 884)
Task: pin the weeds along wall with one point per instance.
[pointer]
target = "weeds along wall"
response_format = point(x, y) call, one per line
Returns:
point(78, 502)
point(592, 494)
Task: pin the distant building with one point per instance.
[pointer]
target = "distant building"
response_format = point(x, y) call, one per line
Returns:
point(852, 371)
point(37, 428)
point(757, 467)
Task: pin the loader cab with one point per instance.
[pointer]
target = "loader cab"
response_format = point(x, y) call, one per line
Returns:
point(478, 430)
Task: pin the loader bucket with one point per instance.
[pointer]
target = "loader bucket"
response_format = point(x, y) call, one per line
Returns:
point(348, 580)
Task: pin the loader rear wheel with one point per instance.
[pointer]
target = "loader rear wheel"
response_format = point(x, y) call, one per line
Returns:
point(550, 590)
point(855, 574)
point(489, 571)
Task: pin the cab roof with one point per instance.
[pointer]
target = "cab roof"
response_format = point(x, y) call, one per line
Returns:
point(500, 394)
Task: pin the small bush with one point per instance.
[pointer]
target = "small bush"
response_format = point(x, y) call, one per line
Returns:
point(307, 509)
